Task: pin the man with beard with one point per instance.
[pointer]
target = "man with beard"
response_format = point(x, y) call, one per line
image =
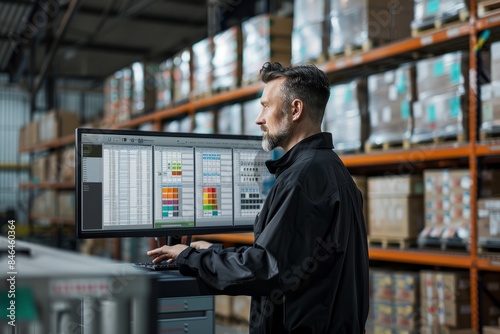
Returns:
point(307, 270)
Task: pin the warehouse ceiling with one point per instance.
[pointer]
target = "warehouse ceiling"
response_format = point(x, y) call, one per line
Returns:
point(93, 38)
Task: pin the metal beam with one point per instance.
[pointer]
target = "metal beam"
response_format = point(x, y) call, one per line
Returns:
point(164, 20)
point(105, 47)
point(66, 21)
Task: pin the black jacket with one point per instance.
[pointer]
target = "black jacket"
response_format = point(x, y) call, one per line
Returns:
point(307, 271)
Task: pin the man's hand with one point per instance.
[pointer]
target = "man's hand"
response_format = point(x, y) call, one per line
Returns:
point(168, 253)
point(200, 244)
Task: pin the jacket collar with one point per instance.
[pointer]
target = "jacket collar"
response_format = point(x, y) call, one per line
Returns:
point(322, 140)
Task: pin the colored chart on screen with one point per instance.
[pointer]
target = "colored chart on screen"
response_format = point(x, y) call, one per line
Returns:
point(174, 187)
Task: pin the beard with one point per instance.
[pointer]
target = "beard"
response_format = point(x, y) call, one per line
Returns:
point(271, 141)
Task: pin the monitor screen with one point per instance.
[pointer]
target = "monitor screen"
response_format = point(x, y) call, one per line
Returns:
point(144, 183)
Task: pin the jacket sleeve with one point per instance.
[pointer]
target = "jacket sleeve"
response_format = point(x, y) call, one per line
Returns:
point(258, 269)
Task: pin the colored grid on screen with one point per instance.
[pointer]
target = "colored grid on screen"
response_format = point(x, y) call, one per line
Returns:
point(176, 168)
point(251, 201)
point(210, 206)
point(170, 202)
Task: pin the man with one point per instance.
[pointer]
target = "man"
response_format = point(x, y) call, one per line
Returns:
point(307, 271)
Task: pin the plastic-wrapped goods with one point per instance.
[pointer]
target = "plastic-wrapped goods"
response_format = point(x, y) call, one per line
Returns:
point(488, 222)
point(427, 12)
point(251, 110)
point(143, 87)
point(390, 98)
point(111, 99)
point(204, 122)
point(442, 108)
point(226, 61)
point(495, 61)
point(306, 12)
point(265, 39)
point(308, 43)
point(346, 115)
point(229, 120)
point(181, 76)
point(164, 84)
point(171, 126)
point(441, 116)
point(438, 75)
point(490, 105)
point(362, 23)
point(186, 124)
point(202, 66)
point(124, 95)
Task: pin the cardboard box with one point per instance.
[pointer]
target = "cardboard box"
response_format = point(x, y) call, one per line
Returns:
point(66, 205)
point(227, 59)
point(67, 166)
point(395, 184)
point(382, 313)
point(406, 315)
point(398, 217)
point(381, 285)
point(39, 168)
point(491, 330)
point(406, 286)
point(241, 308)
point(56, 124)
point(224, 306)
point(453, 286)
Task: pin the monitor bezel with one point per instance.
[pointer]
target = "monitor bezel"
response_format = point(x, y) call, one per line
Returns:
point(149, 232)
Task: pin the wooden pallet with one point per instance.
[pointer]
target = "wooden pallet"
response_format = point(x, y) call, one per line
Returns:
point(441, 23)
point(371, 147)
point(489, 136)
point(350, 50)
point(391, 242)
point(488, 7)
point(491, 246)
point(459, 138)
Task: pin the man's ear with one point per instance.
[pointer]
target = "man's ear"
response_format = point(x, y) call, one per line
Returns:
point(297, 109)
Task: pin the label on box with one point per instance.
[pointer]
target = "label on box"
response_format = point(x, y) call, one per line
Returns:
point(455, 106)
point(438, 68)
point(431, 113)
point(455, 73)
point(405, 110)
point(432, 7)
point(393, 93)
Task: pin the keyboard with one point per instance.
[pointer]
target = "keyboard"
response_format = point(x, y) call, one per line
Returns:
point(158, 266)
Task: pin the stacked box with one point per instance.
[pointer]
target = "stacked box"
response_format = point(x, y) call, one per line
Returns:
point(204, 122)
point(390, 97)
point(164, 84)
point(143, 96)
point(53, 167)
point(202, 67)
point(445, 300)
point(67, 166)
point(181, 73)
point(241, 308)
point(395, 206)
point(309, 35)
point(447, 203)
point(490, 108)
point(346, 115)
point(66, 205)
point(495, 61)
point(39, 168)
point(229, 119)
point(265, 39)
point(171, 126)
point(111, 96)
point(227, 60)
point(488, 223)
point(442, 109)
point(43, 204)
point(363, 23)
point(395, 301)
point(56, 124)
point(427, 12)
point(124, 95)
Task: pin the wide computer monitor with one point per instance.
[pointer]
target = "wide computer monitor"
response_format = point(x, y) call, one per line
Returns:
point(142, 183)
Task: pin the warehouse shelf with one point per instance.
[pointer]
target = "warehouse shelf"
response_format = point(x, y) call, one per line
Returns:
point(417, 155)
point(14, 167)
point(48, 185)
point(488, 149)
point(56, 143)
point(490, 263)
point(384, 54)
point(488, 22)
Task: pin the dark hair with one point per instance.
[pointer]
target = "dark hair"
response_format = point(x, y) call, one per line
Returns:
point(304, 82)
